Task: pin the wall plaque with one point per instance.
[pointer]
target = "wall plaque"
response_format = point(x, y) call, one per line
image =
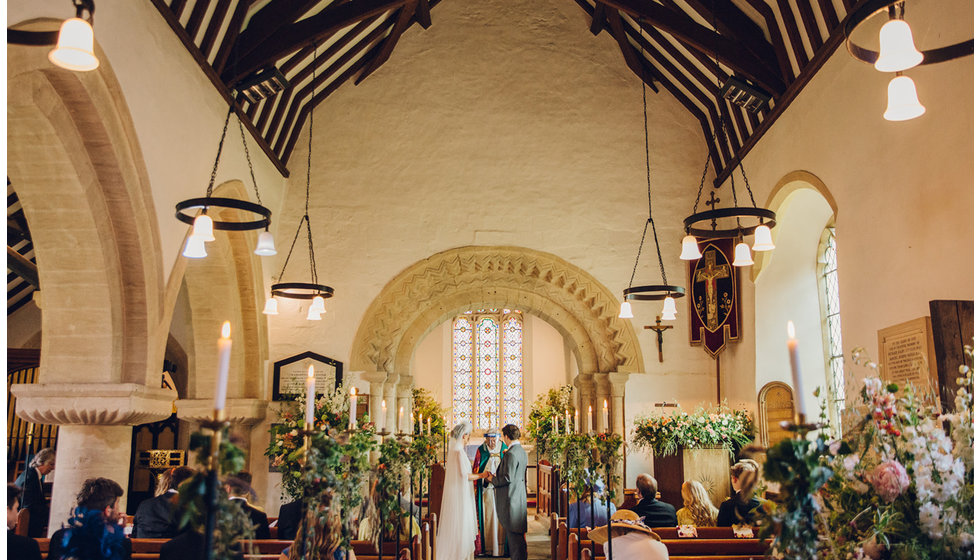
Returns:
point(906, 354)
point(289, 375)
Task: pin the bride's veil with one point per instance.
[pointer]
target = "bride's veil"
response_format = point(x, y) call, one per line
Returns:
point(457, 520)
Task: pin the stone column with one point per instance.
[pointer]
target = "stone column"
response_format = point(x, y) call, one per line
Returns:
point(602, 395)
point(242, 415)
point(377, 381)
point(405, 400)
point(95, 431)
point(391, 396)
point(617, 405)
point(585, 383)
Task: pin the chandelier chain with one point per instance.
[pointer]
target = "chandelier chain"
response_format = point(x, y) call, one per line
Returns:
point(289, 254)
point(248, 158)
point(221, 145)
point(309, 166)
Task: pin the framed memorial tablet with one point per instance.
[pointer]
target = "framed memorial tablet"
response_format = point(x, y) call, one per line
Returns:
point(289, 375)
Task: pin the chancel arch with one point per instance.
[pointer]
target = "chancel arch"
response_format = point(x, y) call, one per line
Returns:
point(789, 288)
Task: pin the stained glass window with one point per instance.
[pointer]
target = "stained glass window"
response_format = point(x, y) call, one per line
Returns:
point(831, 314)
point(488, 370)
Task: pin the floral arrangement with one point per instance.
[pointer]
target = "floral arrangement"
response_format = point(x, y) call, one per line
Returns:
point(425, 446)
point(541, 426)
point(719, 427)
point(607, 454)
point(394, 458)
point(898, 485)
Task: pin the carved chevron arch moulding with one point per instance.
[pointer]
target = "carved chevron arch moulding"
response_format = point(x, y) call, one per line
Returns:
point(432, 290)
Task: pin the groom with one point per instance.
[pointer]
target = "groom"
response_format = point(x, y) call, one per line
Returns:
point(510, 492)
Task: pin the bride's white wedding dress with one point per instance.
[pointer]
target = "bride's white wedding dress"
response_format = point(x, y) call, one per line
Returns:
point(456, 532)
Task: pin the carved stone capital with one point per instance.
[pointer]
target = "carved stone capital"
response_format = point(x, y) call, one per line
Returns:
point(375, 376)
point(93, 404)
point(617, 383)
point(246, 412)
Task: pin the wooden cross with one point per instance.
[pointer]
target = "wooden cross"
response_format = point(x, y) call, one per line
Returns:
point(659, 329)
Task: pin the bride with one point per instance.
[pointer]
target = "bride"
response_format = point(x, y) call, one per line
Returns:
point(456, 533)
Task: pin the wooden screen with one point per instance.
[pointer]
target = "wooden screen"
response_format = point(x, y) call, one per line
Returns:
point(775, 405)
point(24, 438)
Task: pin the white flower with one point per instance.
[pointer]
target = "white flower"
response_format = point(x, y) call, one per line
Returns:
point(929, 518)
point(851, 461)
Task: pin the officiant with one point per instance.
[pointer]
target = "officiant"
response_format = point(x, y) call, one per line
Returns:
point(487, 460)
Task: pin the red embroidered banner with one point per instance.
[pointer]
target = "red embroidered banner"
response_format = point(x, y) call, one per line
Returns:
point(714, 296)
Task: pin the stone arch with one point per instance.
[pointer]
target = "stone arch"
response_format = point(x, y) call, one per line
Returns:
point(73, 152)
point(432, 290)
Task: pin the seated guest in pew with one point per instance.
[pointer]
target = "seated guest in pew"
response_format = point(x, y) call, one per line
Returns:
point(94, 531)
point(326, 540)
point(18, 547)
point(653, 512)
point(367, 520)
point(289, 516)
point(743, 508)
point(189, 545)
point(631, 538)
point(239, 490)
point(156, 518)
point(698, 509)
point(580, 513)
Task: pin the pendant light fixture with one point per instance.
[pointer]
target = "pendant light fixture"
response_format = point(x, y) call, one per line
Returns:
point(74, 41)
point(204, 224)
point(665, 291)
point(897, 53)
point(311, 290)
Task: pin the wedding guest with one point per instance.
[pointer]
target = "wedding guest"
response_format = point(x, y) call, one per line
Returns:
point(743, 508)
point(631, 538)
point(156, 518)
point(590, 510)
point(239, 490)
point(698, 509)
point(653, 512)
point(19, 547)
point(188, 545)
point(94, 531)
point(32, 499)
point(326, 540)
point(289, 516)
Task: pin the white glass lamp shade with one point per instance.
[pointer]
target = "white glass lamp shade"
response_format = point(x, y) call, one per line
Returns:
point(669, 312)
point(271, 307)
point(689, 249)
point(203, 228)
point(625, 310)
point(763, 239)
point(75, 49)
point(266, 245)
point(194, 248)
point(903, 101)
point(318, 305)
point(897, 48)
point(743, 257)
point(312, 315)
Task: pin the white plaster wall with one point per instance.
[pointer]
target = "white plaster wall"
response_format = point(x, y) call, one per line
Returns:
point(788, 290)
point(904, 190)
point(176, 111)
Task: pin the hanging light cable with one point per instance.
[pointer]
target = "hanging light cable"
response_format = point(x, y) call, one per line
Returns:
point(311, 290)
point(664, 291)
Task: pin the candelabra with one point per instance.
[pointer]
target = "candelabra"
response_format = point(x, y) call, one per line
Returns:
point(216, 424)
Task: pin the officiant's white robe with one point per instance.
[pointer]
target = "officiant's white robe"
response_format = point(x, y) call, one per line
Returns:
point(493, 533)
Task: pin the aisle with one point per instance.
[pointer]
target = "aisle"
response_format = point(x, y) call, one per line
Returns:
point(538, 541)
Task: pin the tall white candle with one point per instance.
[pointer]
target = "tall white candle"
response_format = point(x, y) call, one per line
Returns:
point(428, 426)
point(606, 422)
point(401, 414)
point(794, 364)
point(421, 427)
point(384, 415)
point(352, 417)
point(578, 425)
point(224, 358)
point(568, 422)
point(554, 424)
point(310, 394)
point(590, 420)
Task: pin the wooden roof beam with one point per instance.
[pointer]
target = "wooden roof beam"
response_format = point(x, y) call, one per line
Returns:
point(776, 37)
point(598, 18)
point(629, 53)
point(732, 53)
point(22, 267)
point(267, 21)
point(291, 37)
point(422, 14)
point(405, 16)
point(734, 24)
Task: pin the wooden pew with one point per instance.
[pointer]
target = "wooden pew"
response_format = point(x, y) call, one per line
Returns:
point(686, 548)
point(553, 534)
point(562, 552)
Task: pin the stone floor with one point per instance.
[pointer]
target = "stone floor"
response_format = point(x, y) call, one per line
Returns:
point(538, 540)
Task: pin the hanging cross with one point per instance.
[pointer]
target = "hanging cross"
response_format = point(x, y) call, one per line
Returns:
point(659, 329)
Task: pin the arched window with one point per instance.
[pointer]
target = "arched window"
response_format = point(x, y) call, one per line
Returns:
point(488, 370)
point(830, 308)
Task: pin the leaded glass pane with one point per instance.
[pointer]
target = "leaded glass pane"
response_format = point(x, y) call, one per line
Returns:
point(512, 380)
point(462, 370)
point(832, 314)
point(488, 373)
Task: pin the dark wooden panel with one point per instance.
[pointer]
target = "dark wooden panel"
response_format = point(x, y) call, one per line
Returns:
point(669, 472)
point(952, 328)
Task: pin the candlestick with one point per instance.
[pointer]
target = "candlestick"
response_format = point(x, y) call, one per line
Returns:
point(401, 414)
point(590, 419)
point(606, 421)
point(352, 419)
point(554, 424)
point(794, 364)
point(224, 358)
point(578, 426)
point(567, 422)
point(428, 426)
point(384, 415)
point(310, 394)
point(421, 427)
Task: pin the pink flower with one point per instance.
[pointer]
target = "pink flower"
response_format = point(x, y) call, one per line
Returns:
point(889, 479)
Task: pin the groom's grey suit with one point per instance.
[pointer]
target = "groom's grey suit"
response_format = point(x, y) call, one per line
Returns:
point(510, 497)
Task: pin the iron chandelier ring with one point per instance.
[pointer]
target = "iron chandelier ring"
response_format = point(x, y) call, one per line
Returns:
point(653, 292)
point(765, 216)
point(232, 203)
point(301, 290)
point(870, 8)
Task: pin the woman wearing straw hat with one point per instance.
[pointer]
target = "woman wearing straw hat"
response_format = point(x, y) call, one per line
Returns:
point(631, 538)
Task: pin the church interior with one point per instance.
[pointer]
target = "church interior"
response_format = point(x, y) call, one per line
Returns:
point(473, 204)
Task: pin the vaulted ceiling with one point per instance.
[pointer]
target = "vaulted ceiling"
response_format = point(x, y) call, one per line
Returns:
point(776, 46)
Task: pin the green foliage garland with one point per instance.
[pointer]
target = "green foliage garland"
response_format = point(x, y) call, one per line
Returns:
point(665, 434)
point(541, 428)
point(393, 461)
